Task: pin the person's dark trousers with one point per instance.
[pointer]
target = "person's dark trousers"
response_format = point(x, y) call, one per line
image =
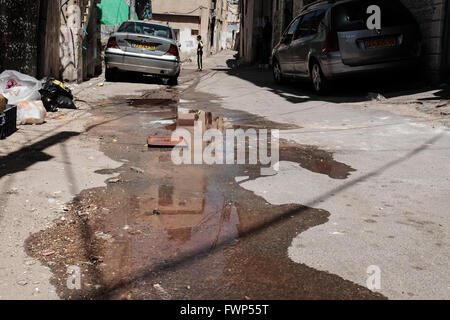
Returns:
point(200, 60)
point(266, 52)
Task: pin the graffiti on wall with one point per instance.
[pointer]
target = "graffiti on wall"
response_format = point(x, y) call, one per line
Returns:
point(70, 42)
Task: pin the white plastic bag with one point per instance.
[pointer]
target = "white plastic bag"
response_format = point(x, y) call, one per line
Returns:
point(27, 89)
point(31, 112)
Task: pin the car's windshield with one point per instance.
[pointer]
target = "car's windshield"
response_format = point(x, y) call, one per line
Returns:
point(146, 29)
point(350, 16)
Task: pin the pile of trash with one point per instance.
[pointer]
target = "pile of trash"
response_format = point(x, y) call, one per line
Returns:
point(33, 98)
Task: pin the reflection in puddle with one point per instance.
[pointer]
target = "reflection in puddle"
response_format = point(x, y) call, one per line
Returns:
point(310, 158)
point(151, 103)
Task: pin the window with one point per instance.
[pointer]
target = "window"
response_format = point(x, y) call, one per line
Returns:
point(146, 29)
point(304, 29)
point(177, 33)
point(291, 29)
point(320, 14)
point(194, 32)
point(127, 27)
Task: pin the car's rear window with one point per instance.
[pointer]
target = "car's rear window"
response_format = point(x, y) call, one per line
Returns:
point(351, 16)
point(146, 29)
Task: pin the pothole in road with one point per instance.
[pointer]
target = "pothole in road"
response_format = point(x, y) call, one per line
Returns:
point(314, 160)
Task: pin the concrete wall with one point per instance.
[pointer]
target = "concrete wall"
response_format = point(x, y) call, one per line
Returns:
point(252, 24)
point(247, 14)
point(79, 50)
point(233, 22)
point(431, 14)
point(446, 38)
point(187, 29)
point(49, 63)
point(221, 31)
point(29, 33)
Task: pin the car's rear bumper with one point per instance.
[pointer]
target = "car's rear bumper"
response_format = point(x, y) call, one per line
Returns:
point(334, 68)
point(166, 65)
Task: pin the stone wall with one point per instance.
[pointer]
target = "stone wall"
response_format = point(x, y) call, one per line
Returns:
point(431, 16)
point(79, 40)
point(19, 25)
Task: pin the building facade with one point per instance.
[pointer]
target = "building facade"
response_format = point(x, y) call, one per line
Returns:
point(80, 47)
point(40, 38)
point(207, 18)
point(434, 19)
point(28, 33)
point(432, 15)
point(188, 18)
point(233, 21)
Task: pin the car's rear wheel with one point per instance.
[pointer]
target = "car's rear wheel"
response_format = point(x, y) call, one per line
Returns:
point(320, 83)
point(111, 75)
point(277, 73)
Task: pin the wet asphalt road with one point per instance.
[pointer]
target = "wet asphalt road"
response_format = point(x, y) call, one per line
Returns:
point(161, 231)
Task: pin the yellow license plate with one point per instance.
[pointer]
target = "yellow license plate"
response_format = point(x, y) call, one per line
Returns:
point(143, 46)
point(381, 42)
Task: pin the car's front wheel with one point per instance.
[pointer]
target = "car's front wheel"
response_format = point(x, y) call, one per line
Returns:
point(320, 83)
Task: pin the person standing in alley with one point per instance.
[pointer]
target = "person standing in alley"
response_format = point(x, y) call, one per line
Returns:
point(267, 40)
point(200, 53)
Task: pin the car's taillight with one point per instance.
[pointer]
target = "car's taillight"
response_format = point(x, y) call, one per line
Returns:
point(173, 50)
point(112, 43)
point(331, 42)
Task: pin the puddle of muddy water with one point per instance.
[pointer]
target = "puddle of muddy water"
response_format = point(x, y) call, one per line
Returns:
point(308, 157)
point(190, 229)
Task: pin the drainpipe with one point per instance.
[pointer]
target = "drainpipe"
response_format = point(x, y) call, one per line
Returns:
point(132, 9)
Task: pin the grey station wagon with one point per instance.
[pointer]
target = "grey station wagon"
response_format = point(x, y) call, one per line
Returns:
point(143, 47)
point(330, 40)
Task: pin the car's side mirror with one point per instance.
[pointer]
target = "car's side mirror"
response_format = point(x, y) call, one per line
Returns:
point(179, 45)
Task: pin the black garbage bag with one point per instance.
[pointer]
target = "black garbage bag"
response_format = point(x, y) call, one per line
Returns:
point(65, 102)
point(54, 95)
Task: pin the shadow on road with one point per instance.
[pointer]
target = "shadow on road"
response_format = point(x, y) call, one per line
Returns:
point(135, 77)
point(342, 91)
point(191, 257)
point(27, 156)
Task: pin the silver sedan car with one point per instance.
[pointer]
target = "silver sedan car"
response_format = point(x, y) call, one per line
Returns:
point(331, 40)
point(145, 47)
